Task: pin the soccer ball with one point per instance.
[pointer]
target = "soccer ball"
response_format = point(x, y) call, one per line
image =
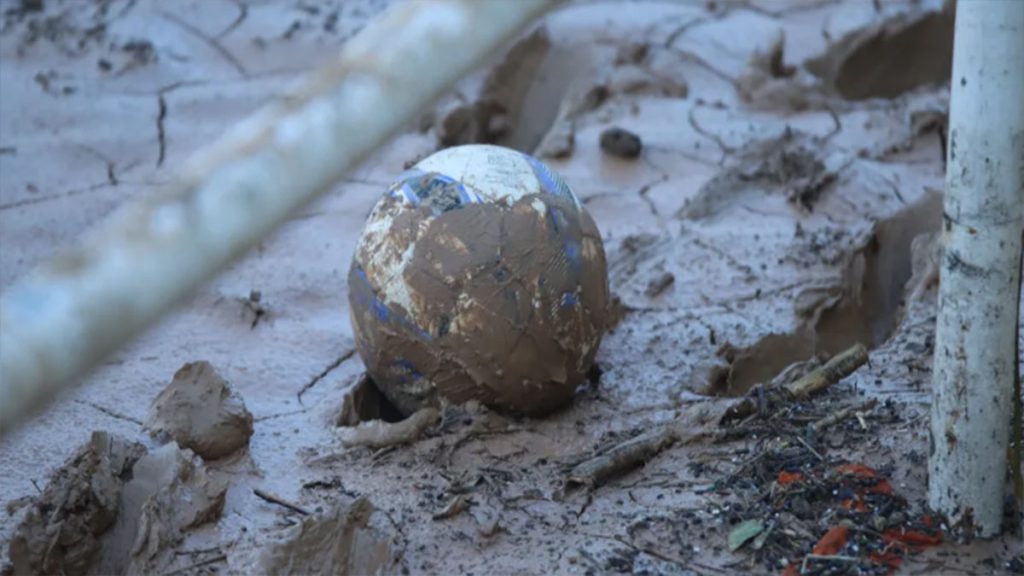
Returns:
point(479, 276)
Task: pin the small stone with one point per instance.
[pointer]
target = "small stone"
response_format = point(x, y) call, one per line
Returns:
point(200, 411)
point(621, 143)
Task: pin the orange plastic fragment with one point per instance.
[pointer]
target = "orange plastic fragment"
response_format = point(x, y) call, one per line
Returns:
point(882, 487)
point(832, 542)
point(857, 470)
point(855, 504)
point(913, 537)
point(787, 478)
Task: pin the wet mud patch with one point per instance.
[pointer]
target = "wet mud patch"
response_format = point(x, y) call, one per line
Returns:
point(795, 166)
point(865, 306)
point(875, 280)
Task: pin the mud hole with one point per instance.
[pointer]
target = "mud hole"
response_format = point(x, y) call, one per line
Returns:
point(890, 58)
point(779, 206)
point(364, 402)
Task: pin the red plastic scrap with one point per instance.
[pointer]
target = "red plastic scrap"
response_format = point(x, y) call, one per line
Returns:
point(880, 487)
point(832, 542)
point(855, 504)
point(900, 541)
point(857, 470)
point(787, 478)
point(914, 539)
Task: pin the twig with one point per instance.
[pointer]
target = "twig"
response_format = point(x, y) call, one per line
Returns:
point(623, 457)
point(811, 448)
point(838, 367)
point(323, 373)
point(840, 415)
point(280, 501)
point(827, 557)
point(201, 563)
point(455, 506)
point(628, 455)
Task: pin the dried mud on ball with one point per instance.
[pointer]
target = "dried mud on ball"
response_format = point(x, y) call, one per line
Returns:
point(479, 276)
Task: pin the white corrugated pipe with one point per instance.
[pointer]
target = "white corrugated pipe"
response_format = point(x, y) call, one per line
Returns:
point(976, 339)
point(59, 321)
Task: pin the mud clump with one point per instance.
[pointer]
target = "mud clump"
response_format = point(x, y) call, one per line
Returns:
point(200, 411)
point(61, 532)
point(768, 83)
point(621, 143)
point(890, 58)
point(170, 492)
point(339, 541)
point(492, 116)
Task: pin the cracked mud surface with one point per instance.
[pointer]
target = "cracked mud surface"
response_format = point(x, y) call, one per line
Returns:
point(767, 220)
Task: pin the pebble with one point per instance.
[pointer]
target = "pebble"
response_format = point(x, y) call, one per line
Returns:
point(621, 143)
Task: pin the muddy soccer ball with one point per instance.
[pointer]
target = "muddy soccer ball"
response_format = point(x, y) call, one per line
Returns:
point(479, 276)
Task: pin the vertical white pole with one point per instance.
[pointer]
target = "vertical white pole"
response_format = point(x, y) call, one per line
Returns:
point(976, 339)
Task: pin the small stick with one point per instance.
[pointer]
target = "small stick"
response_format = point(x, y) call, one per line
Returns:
point(623, 457)
point(201, 563)
point(280, 501)
point(628, 455)
point(455, 506)
point(826, 557)
point(811, 448)
point(840, 415)
point(838, 367)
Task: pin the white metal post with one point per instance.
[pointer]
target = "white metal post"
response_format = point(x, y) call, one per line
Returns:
point(58, 322)
point(980, 276)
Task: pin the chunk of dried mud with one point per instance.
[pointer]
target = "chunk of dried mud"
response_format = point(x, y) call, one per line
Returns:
point(493, 113)
point(61, 531)
point(636, 71)
point(795, 165)
point(559, 142)
point(888, 58)
point(339, 541)
point(170, 493)
point(200, 411)
point(768, 83)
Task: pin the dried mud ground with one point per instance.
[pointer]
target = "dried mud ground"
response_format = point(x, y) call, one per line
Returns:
point(772, 216)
